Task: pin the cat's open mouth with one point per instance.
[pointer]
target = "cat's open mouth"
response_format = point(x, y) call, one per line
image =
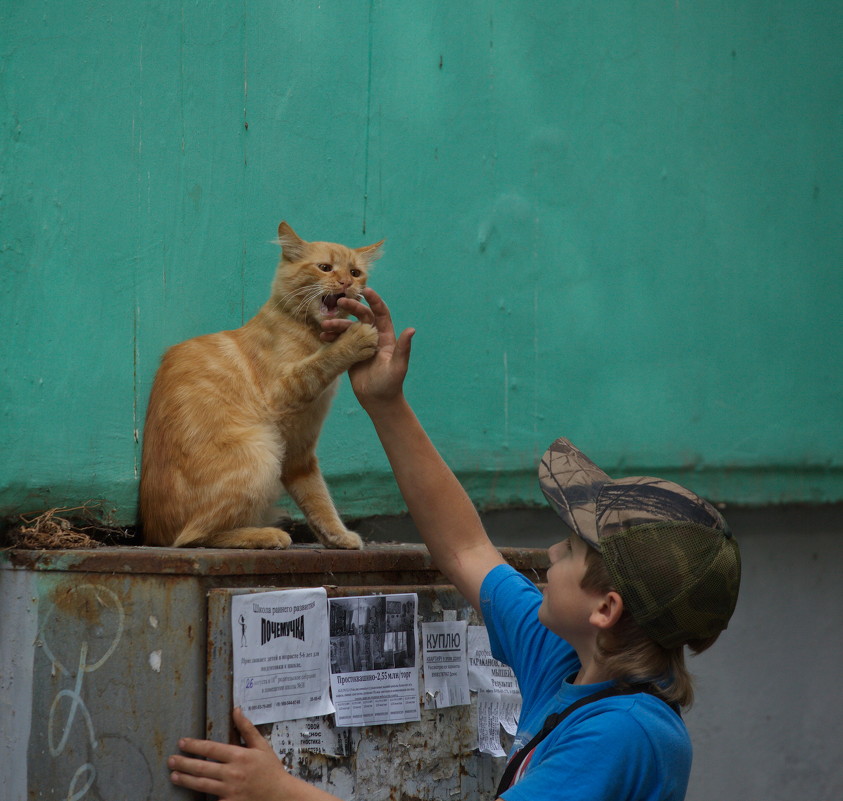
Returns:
point(329, 305)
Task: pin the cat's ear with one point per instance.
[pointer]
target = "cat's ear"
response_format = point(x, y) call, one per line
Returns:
point(371, 253)
point(292, 245)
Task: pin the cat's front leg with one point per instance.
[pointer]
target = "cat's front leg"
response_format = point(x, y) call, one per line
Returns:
point(301, 383)
point(304, 482)
point(358, 343)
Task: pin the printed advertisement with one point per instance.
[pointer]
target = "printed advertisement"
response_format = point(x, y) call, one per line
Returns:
point(484, 671)
point(445, 664)
point(315, 735)
point(498, 695)
point(496, 710)
point(281, 650)
point(374, 671)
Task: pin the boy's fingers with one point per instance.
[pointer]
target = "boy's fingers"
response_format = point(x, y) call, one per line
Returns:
point(251, 736)
point(360, 310)
point(382, 317)
point(405, 340)
point(198, 783)
point(333, 327)
point(377, 305)
point(379, 309)
point(204, 748)
point(336, 326)
point(195, 767)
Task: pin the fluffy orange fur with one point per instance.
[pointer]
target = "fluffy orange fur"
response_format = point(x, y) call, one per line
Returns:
point(234, 415)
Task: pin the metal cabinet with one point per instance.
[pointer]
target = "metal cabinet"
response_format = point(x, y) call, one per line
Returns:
point(109, 655)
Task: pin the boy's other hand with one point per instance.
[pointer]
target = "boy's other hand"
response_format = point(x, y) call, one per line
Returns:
point(381, 378)
point(232, 772)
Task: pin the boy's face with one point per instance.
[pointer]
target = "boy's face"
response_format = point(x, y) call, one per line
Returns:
point(566, 606)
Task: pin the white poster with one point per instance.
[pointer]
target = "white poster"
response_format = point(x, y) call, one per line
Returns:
point(493, 711)
point(315, 735)
point(280, 642)
point(374, 673)
point(498, 695)
point(484, 671)
point(445, 665)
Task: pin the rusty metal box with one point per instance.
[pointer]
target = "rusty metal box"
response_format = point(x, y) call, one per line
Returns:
point(110, 654)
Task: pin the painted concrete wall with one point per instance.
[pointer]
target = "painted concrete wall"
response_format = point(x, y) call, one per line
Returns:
point(616, 221)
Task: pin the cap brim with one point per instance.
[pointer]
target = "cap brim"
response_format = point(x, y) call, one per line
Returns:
point(571, 482)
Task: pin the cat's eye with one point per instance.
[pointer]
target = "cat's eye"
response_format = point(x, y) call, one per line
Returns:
point(355, 273)
point(326, 268)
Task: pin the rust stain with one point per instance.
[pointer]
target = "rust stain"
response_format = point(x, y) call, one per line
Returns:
point(402, 563)
point(161, 748)
point(84, 604)
point(209, 660)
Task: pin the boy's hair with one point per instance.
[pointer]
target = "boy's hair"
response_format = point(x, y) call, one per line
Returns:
point(630, 655)
point(668, 553)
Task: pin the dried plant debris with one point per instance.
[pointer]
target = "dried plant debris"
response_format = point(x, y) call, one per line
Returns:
point(67, 528)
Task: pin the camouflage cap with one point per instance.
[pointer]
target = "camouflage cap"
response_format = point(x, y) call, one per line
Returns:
point(671, 555)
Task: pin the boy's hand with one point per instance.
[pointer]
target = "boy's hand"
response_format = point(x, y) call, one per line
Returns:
point(379, 379)
point(236, 773)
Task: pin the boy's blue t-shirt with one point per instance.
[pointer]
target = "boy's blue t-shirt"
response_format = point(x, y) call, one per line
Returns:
point(621, 748)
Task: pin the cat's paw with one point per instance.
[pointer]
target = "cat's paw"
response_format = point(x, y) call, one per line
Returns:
point(360, 342)
point(245, 537)
point(345, 538)
point(268, 538)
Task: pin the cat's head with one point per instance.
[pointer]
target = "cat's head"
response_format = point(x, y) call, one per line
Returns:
point(312, 276)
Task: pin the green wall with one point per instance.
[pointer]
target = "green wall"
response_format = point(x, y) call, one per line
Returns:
point(617, 221)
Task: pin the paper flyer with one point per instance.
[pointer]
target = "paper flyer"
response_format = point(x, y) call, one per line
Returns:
point(498, 695)
point(280, 642)
point(316, 736)
point(374, 672)
point(484, 671)
point(493, 711)
point(510, 712)
point(445, 664)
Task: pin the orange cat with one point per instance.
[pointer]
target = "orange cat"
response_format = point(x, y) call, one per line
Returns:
point(235, 414)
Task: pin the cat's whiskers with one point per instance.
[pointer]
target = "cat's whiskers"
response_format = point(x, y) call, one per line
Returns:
point(302, 290)
point(307, 299)
point(308, 291)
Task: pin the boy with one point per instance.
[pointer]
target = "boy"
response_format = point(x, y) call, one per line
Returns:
point(649, 568)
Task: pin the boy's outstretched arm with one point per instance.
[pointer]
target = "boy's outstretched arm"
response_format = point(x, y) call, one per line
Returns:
point(439, 506)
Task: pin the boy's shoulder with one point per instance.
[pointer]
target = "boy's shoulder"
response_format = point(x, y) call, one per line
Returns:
point(620, 747)
point(507, 579)
point(637, 740)
point(629, 723)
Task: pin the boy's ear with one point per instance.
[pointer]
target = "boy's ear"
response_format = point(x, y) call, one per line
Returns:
point(608, 611)
point(371, 253)
point(292, 246)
